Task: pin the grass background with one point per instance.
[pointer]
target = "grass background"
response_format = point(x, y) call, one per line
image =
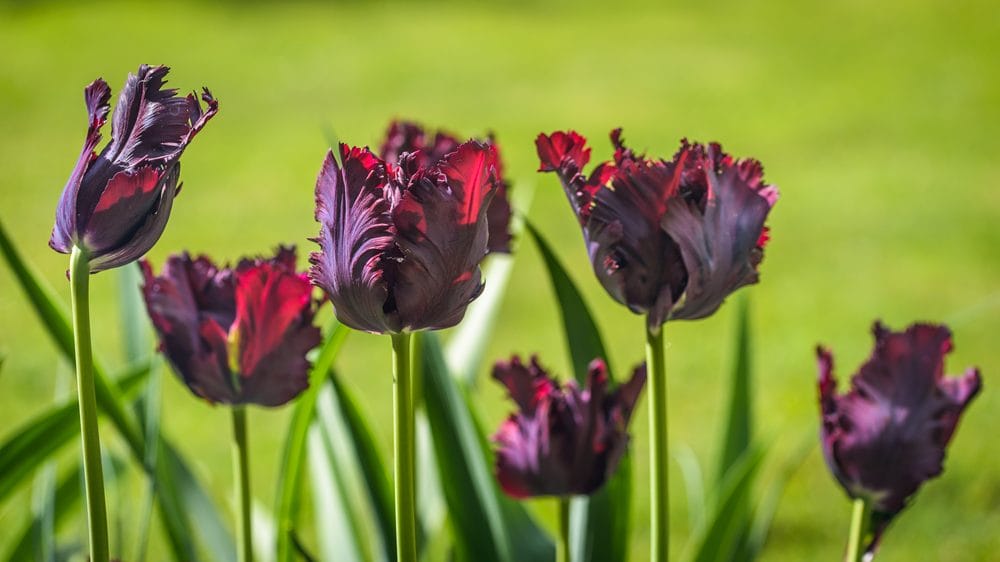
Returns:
point(878, 121)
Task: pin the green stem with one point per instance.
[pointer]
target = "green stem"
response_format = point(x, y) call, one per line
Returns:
point(658, 457)
point(860, 519)
point(241, 477)
point(97, 511)
point(404, 459)
point(562, 549)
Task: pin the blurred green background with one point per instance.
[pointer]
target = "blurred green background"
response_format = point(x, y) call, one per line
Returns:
point(878, 121)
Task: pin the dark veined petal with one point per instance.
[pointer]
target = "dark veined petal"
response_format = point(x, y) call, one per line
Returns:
point(442, 234)
point(96, 96)
point(566, 153)
point(888, 434)
point(357, 254)
point(273, 331)
point(131, 216)
point(408, 137)
point(235, 335)
point(721, 240)
point(564, 440)
point(193, 339)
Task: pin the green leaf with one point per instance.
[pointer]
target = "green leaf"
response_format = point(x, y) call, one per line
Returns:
point(694, 483)
point(170, 473)
point(56, 321)
point(364, 451)
point(599, 524)
point(290, 471)
point(467, 347)
point(65, 497)
point(719, 538)
point(38, 439)
point(181, 491)
point(338, 521)
point(739, 425)
point(768, 505)
point(582, 335)
point(482, 524)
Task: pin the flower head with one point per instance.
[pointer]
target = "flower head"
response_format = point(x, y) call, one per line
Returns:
point(400, 244)
point(404, 137)
point(667, 238)
point(116, 204)
point(564, 440)
point(235, 335)
point(887, 435)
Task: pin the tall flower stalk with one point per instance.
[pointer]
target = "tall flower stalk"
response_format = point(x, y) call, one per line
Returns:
point(404, 458)
point(400, 247)
point(93, 472)
point(241, 479)
point(112, 210)
point(659, 450)
point(670, 239)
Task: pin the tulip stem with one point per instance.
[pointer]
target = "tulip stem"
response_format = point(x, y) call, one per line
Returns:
point(404, 458)
point(659, 504)
point(860, 519)
point(93, 472)
point(562, 549)
point(241, 479)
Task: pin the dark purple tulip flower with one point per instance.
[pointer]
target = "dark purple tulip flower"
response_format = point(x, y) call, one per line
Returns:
point(887, 435)
point(564, 440)
point(116, 204)
point(408, 137)
point(667, 238)
point(400, 244)
point(235, 335)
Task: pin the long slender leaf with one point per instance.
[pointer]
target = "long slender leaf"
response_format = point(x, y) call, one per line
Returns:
point(43, 511)
point(289, 474)
point(56, 321)
point(467, 347)
point(718, 539)
point(768, 505)
point(171, 473)
point(67, 494)
point(377, 486)
point(739, 430)
point(465, 478)
point(694, 483)
point(483, 523)
point(582, 335)
point(599, 524)
point(336, 536)
point(39, 438)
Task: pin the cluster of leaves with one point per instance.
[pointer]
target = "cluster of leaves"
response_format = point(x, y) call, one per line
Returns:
point(331, 453)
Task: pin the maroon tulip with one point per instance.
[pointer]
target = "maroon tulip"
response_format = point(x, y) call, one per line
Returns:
point(408, 137)
point(671, 239)
point(888, 434)
point(235, 335)
point(564, 440)
point(400, 244)
point(116, 204)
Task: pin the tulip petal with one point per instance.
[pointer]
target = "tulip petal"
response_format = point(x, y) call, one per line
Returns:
point(193, 343)
point(563, 440)
point(357, 251)
point(274, 331)
point(719, 243)
point(442, 235)
point(129, 242)
point(888, 434)
point(96, 95)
